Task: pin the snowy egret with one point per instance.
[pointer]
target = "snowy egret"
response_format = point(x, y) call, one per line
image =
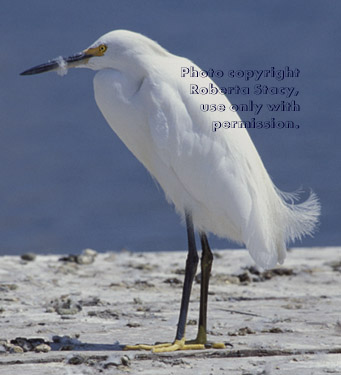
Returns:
point(216, 180)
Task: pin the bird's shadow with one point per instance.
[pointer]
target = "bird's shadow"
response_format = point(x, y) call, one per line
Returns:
point(66, 343)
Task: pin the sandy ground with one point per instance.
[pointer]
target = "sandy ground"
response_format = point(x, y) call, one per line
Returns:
point(80, 310)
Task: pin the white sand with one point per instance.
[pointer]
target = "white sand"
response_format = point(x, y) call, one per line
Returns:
point(293, 321)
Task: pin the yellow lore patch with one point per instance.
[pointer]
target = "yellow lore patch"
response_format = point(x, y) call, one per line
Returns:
point(96, 51)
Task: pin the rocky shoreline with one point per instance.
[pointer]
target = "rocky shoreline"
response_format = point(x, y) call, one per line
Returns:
point(73, 314)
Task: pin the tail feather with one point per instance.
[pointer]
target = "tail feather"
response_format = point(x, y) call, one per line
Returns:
point(302, 219)
point(276, 222)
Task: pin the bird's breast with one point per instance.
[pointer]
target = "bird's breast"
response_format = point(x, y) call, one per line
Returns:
point(117, 97)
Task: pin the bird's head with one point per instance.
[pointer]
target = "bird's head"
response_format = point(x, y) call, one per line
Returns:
point(116, 49)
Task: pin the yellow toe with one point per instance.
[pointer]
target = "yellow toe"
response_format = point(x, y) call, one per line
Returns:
point(176, 345)
point(146, 347)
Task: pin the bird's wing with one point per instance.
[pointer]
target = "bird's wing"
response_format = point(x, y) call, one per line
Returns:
point(204, 164)
point(219, 176)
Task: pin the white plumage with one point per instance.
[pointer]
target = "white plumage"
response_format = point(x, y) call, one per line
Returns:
point(217, 176)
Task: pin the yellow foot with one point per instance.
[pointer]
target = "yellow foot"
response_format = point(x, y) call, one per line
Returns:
point(207, 344)
point(216, 345)
point(166, 347)
point(176, 345)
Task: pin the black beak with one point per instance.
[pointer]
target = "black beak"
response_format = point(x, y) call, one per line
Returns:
point(54, 64)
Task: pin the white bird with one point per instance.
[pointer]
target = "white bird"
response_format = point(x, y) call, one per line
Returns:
point(216, 180)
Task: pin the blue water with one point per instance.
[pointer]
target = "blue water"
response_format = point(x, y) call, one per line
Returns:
point(66, 180)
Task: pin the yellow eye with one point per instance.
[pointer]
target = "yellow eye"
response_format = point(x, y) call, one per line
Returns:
point(102, 48)
point(96, 51)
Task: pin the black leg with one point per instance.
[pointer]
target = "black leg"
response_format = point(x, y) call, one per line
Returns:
point(206, 266)
point(191, 268)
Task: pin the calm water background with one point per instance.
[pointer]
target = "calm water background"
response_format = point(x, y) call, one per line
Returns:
point(66, 180)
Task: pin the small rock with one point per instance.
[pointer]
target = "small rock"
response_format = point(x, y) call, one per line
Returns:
point(125, 360)
point(179, 271)
point(192, 322)
point(87, 257)
point(91, 301)
point(197, 278)
point(69, 258)
point(29, 257)
point(143, 284)
point(16, 349)
point(8, 287)
point(84, 259)
point(292, 306)
point(65, 306)
point(68, 311)
point(229, 279)
point(242, 332)
point(272, 330)
point(116, 360)
point(23, 342)
point(173, 281)
point(89, 252)
point(142, 266)
point(105, 314)
point(245, 278)
point(275, 330)
point(143, 308)
point(133, 324)
point(281, 271)
point(42, 348)
point(253, 270)
point(76, 360)
point(36, 341)
point(246, 331)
